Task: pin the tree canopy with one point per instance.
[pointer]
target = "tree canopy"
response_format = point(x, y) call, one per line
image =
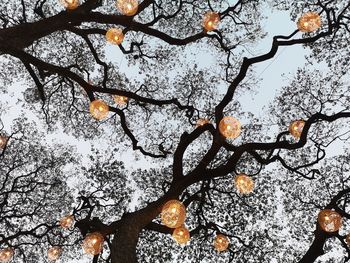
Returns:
point(165, 80)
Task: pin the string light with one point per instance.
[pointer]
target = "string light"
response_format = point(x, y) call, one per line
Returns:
point(115, 36)
point(67, 221)
point(54, 253)
point(211, 20)
point(329, 220)
point(70, 4)
point(244, 184)
point(221, 242)
point(6, 254)
point(93, 243)
point(230, 127)
point(309, 22)
point(99, 109)
point(181, 235)
point(127, 7)
point(173, 214)
point(121, 101)
point(296, 128)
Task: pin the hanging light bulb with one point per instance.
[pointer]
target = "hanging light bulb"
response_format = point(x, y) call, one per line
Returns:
point(121, 101)
point(70, 4)
point(54, 253)
point(201, 122)
point(99, 109)
point(347, 239)
point(115, 36)
point(173, 214)
point(221, 242)
point(244, 184)
point(93, 243)
point(211, 20)
point(181, 235)
point(309, 22)
point(6, 254)
point(329, 220)
point(67, 221)
point(296, 128)
point(127, 7)
point(230, 127)
point(3, 141)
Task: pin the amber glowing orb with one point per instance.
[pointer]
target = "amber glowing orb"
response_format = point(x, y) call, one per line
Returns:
point(99, 109)
point(244, 184)
point(181, 235)
point(230, 127)
point(309, 22)
point(6, 254)
point(115, 36)
point(67, 221)
point(201, 122)
point(347, 239)
point(54, 253)
point(127, 7)
point(70, 4)
point(211, 21)
point(93, 243)
point(296, 128)
point(221, 242)
point(329, 220)
point(173, 214)
point(120, 100)
point(3, 141)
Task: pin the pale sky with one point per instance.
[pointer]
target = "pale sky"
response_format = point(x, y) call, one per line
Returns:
point(286, 61)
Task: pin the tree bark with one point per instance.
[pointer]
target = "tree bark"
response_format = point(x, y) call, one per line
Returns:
point(125, 240)
point(316, 248)
point(124, 243)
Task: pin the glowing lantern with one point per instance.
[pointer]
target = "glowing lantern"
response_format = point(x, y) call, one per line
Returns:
point(54, 253)
point(120, 100)
point(230, 127)
point(329, 220)
point(3, 141)
point(244, 184)
point(127, 7)
point(201, 122)
point(70, 4)
point(296, 128)
point(181, 235)
point(93, 243)
point(211, 21)
point(221, 242)
point(173, 214)
point(99, 109)
point(67, 221)
point(347, 239)
point(115, 36)
point(6, 254)
point(309, 22)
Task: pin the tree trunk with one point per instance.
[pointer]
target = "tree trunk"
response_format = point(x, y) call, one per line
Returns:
point(316, 248)
point(124, 243)
point(125, 240)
